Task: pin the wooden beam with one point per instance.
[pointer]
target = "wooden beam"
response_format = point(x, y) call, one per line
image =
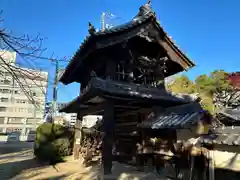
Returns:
point(143, 110)
point(93, 110)
point(172, 54)
point(127, 124)
point(127, 106)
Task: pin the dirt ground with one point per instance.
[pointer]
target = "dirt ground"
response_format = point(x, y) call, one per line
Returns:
point(22, 165)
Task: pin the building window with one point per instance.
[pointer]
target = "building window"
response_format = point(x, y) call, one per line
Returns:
point(19, 101)
point(15, 120)
point(5, 91)
point(30, 110)
point(3, 109)
point(17, 92)
point(21, 109)
point(2, 120)
point(5, 81)
point(4, 99)
point(32, 121)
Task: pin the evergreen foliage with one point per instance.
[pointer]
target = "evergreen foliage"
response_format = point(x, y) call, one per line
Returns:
point(53, 142)
point(209, 87)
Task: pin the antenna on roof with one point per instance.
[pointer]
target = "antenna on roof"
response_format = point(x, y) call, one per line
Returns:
point(103, 21)
point(104, 17)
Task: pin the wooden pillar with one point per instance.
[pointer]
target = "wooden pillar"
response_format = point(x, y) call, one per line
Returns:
point(211, 165)
point(77, 138)
point(108, 128)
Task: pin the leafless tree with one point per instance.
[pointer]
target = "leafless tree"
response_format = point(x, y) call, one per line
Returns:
point(29, 49)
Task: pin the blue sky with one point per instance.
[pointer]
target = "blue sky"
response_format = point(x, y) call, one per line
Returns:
point(207, 31)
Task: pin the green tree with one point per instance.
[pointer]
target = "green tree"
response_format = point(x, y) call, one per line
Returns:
point(207, 103)
point(220, 81)
point(205, 85)
point(182, 84)
point(53, 142)
point(215, 90)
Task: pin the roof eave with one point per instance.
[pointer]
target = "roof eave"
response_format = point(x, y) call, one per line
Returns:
point(185, 59)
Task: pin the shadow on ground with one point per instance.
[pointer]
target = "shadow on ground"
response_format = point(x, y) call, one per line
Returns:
point(224, 174)
point(10, 169)
point(56, 177)
point(12, 147)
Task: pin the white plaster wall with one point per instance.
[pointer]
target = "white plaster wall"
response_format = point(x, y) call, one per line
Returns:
point(90, 120)
point(226, 160)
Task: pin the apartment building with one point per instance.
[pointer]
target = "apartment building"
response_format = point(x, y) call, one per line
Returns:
point(22, 96)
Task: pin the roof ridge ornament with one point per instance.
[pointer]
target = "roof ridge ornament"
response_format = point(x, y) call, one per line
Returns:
point(149, 3)
point(144, 10)
point(91, 29)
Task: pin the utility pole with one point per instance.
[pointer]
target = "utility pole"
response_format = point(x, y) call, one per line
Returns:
point(54, 101)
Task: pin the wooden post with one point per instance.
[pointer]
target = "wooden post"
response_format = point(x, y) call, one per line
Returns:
point(211, 165)
point(108, 128)
point(77, 138)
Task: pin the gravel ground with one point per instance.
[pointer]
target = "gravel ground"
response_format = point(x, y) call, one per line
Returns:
point(17, 162)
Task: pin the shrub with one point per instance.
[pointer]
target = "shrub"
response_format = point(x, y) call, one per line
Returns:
point(53, 142)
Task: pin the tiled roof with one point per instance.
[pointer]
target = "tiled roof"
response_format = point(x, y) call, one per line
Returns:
point(124, 91)
point(224, 139)
point(178, 117)
point(231, 113)
point(224, 136)
point(143, 16)
point(115, 29)
point(191, 97)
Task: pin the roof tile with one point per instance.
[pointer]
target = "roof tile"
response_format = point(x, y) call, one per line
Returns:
point(177, 117)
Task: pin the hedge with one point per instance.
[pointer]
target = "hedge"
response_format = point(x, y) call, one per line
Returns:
point(53, 142)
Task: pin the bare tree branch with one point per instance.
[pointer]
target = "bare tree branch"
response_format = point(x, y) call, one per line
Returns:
point(29, 49)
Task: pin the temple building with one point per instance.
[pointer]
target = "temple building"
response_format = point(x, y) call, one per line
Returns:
point(121, 71)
